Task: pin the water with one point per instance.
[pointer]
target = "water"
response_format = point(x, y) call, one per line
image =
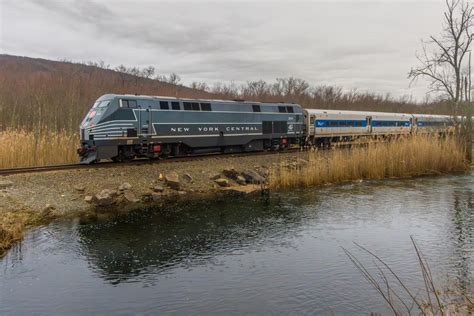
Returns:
point(247, 257)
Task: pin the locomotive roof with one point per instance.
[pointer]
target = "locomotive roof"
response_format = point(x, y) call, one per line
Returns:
point(148, 97)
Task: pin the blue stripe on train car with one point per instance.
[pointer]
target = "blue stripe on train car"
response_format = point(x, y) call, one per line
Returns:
point(431, 123)
point(340, 123)
point(390, 123)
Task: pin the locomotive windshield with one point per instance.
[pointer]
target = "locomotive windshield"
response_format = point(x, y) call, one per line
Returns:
point(100, 104)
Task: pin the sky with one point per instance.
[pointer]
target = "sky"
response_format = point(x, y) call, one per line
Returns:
point(368, 46)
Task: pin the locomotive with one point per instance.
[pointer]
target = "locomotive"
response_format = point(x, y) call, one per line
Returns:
point(123, 127)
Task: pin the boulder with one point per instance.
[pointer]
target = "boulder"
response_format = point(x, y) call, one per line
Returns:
point(125, 186)
point(241, 180)
point(89, 198)
point(155, 197)
point(5, 184)
point(105, 197)
point(158, 189)
point(215, 176)
point(129, 196)
point(222, 182)
point(188, 177)
point(48, 211)
point(79, 188)
point(252, 176)
point(230, 173)
point(172, 180)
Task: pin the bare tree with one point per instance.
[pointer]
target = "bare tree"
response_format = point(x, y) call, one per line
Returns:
point(442, 62)
point(148, 72)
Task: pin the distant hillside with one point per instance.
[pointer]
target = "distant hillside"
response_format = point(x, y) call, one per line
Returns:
point(43, 94)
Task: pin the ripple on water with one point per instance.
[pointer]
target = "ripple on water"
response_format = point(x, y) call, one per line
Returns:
point(239, 257)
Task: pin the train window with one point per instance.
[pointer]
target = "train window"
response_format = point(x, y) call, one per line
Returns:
point(256, 108)
point(124, 103)
point(175, 106)
point(132, 104)
point(289, 109)
point(188, 106)
point(342, 123)
point(195, 106)
point(350, 123)
point(164, 105)
point(333, 123)
point(282, 109)
point(206, 107)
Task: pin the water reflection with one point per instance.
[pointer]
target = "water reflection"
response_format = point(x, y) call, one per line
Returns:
point(150, 242)
point(242, 256)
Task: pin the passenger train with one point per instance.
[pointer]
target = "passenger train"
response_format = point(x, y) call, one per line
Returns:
point(123, 127)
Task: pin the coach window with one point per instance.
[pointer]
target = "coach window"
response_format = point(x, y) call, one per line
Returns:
point(282, 109)
point(175, 106)
point(256, 108)
point(289, 109)
point(350, 123)
point(164, 105)
point(206, 107)
point(333, 123)
point(124, 103)
point(188, 106)
point(342, 123)
point(195, 106)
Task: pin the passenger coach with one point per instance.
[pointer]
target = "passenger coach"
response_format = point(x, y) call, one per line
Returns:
point(122, 127)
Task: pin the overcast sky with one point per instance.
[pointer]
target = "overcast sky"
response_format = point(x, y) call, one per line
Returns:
point(370, 46)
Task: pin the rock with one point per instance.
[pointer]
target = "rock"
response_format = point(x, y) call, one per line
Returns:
point(89, 198)
point(79, 188)
point(252, 176)
point(241, 180)
point(158, 189)
point(248, 189)
point(230, 173)
point(48, 211)
point(182, 192)
point(222, 182)
point(129, 196)
point(188, 177)
point(215, 176)
point(155, 197)
point(172, 180)
point(160, 177)
point(105, 197)
point(5, 184)
point(125, 186)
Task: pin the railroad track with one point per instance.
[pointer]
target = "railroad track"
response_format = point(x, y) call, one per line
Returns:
point(107, 164)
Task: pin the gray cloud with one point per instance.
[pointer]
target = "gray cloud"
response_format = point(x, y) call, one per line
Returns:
point(364, 45)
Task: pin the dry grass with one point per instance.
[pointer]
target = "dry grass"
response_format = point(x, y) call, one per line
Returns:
point(19, 148)
point(12, 226)
point(406, 157)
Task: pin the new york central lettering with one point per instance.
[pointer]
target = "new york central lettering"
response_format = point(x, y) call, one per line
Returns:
point(206, 129)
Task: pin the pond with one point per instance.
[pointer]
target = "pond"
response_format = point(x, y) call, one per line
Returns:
point(282, 256)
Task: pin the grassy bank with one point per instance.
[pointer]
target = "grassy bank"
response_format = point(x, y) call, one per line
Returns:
point(406, 157)
point(20, 148)
point(12, 226)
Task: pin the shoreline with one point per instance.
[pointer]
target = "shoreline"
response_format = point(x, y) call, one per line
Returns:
point(32, 199)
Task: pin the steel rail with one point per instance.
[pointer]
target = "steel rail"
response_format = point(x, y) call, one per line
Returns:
point(137, 162)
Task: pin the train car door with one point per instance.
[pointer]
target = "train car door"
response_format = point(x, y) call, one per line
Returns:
point(144, 120)
point(369, 123)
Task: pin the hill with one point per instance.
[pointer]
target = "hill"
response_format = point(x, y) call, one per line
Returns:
point(56, 95)
point(39, 94)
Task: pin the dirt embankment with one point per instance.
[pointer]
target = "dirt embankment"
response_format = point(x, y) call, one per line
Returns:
point(37, 198)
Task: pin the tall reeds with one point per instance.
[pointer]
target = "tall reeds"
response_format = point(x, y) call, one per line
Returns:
point(20, 148)
point(404, 157)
